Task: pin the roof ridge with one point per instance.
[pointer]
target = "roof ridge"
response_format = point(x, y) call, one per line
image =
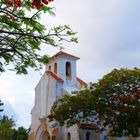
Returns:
point(82, 83)
point(55, 76)
point(65, 54)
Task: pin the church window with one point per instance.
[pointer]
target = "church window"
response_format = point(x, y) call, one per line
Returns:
point(68, 71)
point(49, 69)
point(68, 136)
point(53, 137)
point(55, 67)
point(88, 136)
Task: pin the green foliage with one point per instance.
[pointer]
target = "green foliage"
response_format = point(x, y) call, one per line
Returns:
point(121, 101)
point(20, 134)
point(113, 101)
point(8, 132)
point(21, 36)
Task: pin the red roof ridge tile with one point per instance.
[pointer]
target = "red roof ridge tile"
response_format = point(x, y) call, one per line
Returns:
point(82, 83)
point(89, 126)
point(56, 77)
point(64, 54)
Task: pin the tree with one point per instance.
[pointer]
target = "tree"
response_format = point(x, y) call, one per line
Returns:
point(114, 101)
point(8, 131)
point(21, 34)
point(6, 128)
point(20, 134)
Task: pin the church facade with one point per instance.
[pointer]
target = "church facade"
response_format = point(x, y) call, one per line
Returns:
point(60, 78)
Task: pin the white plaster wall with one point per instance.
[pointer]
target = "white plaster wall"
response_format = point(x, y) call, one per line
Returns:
point(61, 67)
point(59, 90)
point(92, 134)
point(63, 61)
point(36, 111)
point(49, 90)
point(73, 130)
point(51, 63)
point(51, 93)
point(40, 106)
point(44, 84)
point(46, 93)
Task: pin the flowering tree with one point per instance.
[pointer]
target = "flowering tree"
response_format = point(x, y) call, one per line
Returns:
point(21, 34)
point(114, 101)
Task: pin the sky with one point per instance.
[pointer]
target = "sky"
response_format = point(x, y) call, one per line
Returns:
point(109, 37)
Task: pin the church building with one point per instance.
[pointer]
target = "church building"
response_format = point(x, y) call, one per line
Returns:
point(60, 78)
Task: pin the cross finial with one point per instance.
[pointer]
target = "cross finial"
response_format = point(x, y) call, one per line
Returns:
point(61, 48)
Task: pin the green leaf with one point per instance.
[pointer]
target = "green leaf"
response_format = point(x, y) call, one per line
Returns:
point(44, 59)
point(73, 39)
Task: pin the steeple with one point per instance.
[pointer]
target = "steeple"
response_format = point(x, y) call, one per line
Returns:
point(59, 79)
point(64, 66)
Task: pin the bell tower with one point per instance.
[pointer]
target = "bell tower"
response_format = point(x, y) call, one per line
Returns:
point(64, 66)
point(59, 79)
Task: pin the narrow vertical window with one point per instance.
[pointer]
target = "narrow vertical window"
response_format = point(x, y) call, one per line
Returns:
point(55, 68)
point(49, 69)
point(53, 137)
point(68, 71)
point(68, 136)
point(88, 136)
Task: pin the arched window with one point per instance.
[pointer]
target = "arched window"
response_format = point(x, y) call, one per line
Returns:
point(68, 136)
point(55, 67)
point(49, 69)
point(68, 71)
point(53, 137)
point(88, 136)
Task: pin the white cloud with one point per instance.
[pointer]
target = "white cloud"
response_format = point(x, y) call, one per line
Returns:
point(17, 90)
point(108, 32)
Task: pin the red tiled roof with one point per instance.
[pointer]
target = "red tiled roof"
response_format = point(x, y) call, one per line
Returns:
point(64, 54)
point(54, 76)
point(82, 83)
point(88, 126)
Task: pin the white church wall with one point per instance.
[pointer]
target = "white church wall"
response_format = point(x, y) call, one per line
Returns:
point(92, 135)
point(59, 90)
point(40, 107)
point(44, 82)
point(49, 90)
point(51, 93)
point(63, 70)
point(73, 130)
point(46, 93)
point(37, 107)
point(52, 63)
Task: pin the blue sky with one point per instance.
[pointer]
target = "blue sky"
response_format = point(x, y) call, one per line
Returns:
point(109, 37)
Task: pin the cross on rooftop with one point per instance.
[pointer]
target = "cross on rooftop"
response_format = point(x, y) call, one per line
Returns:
point(61, 48)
